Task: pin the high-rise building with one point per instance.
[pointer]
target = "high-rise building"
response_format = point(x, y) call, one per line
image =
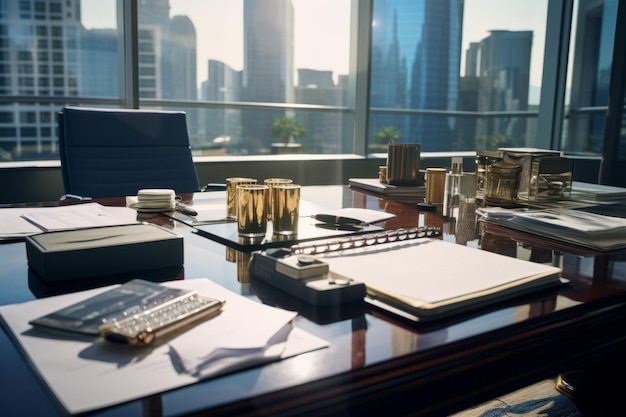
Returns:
point(268, 66)
point(221, 127)
point(167, 53)
point(317, 87)
point(415, 65)
point(98, 63)
point(46, 52)
point(504, 71)
point(40, 46)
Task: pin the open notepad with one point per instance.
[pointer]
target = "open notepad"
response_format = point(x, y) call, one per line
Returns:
point(432, 279)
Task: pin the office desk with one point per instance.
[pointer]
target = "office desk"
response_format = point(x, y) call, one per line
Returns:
point(375, 365)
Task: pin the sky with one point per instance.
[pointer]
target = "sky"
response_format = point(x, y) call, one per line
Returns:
point(325, 50)
point(322, 29)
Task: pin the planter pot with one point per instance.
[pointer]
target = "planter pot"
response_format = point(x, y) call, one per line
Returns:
point(378, 148)
point(286, 148)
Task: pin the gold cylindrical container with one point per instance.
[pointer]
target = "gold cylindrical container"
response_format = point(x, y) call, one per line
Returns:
point(382, 174)
point(270, 182)
point(231, 194)
point(403, 163)
point(435, 185)
point(285, 209)
point(251, 210)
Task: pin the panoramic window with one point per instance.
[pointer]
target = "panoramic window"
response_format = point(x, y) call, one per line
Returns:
point(456, 75)
point(52, 50)
point(589, 76)
point(262, 77)
point(267, 54)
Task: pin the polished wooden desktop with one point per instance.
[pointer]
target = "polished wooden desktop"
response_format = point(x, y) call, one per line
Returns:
point(376, 364)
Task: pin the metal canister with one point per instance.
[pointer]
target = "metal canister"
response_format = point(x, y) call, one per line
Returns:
point(403, 163)
point(435, 185)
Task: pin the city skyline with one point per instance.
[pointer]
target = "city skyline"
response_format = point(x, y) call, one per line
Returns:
point(416, 65)
point(330, 29)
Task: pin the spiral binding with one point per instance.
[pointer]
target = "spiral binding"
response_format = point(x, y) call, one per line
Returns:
point(370, 239)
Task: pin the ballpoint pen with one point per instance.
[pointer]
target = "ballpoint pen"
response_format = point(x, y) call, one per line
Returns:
point(338, 220)
point(214, 187)
point(185, 209)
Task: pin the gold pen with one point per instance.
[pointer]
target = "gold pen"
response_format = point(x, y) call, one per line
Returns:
point(144, 328)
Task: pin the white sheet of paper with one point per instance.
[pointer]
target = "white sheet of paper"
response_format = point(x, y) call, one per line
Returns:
point(368, 216)
point(86, 373)
point(13, 225)
point(19, 222)
point(79, 216)
point(429, 269)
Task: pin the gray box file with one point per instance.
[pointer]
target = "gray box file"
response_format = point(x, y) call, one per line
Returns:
point(103, 251)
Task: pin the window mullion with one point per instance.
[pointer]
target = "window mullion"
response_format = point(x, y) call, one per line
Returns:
point(553, 84)
point(360, 67)
point(129, 66)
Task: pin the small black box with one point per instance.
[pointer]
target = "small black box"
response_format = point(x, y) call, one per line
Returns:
point(273, 268)
point(103, 251)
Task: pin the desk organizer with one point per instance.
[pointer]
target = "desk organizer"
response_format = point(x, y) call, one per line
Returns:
point(546, 175)
point(103, 251)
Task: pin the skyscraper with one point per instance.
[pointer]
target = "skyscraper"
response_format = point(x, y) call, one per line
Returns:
point(39, 56)
point(268, 65)
point(415, 65)
point(58, 57)
point(504, 72)
point(223, 84)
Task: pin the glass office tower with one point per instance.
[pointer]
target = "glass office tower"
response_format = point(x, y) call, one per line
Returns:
point(221, 127)
point(504, 71)
point(415, 65)
point(39, 56)
point(268, 67)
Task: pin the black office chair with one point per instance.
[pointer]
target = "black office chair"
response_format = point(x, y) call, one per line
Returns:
point(115, 153)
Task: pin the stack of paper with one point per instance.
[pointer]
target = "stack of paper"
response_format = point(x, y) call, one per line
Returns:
point(17, 223)
point(373, 185)
point(597, 192)
point(433, 279)
point(86, 373)
point(577, 227)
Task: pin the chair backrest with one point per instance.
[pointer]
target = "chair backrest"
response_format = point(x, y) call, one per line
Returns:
point(115, 153)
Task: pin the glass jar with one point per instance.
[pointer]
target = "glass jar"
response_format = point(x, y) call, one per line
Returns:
point(483, 162)
point(502, 184)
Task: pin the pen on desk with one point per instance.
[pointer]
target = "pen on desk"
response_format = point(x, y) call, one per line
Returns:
point(185, 210)
point(214, 187)
point(338, 220)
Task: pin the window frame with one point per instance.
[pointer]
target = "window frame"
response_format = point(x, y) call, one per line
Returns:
point(550, 114)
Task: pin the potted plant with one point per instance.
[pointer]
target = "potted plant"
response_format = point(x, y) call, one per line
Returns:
point(288, 129)
point(383, 136)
